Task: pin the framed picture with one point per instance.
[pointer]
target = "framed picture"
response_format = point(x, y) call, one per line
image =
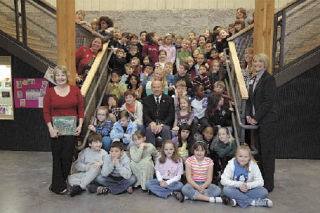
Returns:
point(66, 125)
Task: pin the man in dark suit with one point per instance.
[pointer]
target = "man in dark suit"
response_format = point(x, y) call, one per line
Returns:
point(261, 110)
point(158, 113)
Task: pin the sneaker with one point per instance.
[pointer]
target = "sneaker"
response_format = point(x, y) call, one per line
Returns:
point(75, 190)
point(178, 196)
point(264, 202)
point(228, 201)
point(103, 190)
point(130, 190)
point(92, 188)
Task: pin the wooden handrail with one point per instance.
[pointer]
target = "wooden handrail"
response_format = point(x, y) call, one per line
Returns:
point(94, 68)
point(237, 68)
point(240, 32)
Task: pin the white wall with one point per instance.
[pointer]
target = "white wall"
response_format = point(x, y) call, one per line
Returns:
point(102, 5)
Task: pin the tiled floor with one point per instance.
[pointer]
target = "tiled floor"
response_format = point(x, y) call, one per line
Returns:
point(25, 177)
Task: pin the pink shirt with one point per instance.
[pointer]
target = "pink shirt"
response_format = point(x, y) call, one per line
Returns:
point(199, 170)
point(169, 169)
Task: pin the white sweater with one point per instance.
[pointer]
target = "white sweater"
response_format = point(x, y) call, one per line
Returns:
point(138, 110)
point(254, 176)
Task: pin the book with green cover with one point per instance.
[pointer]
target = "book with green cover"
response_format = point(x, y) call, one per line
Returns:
point(66, 125)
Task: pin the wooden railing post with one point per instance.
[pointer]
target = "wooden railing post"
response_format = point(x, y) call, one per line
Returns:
point(66, 38)
point(263, 28)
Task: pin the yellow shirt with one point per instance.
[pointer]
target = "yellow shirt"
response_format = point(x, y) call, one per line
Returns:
point(183, 152)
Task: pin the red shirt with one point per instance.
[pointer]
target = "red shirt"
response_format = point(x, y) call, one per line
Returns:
point(151, 50)
point(83, 56)
point(70, 105)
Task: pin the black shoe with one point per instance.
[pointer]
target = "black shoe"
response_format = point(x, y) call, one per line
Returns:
point(227, 201)
point(75, 190)
point(92, 188)
point(178, 196)
point(63, 192)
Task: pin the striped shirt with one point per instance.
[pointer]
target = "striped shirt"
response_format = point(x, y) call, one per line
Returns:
point(199, 170)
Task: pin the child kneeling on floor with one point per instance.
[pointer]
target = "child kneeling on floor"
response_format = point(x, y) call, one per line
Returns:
point(88, 164)
point(116, 176)
point(169, 168)
point(243, 182)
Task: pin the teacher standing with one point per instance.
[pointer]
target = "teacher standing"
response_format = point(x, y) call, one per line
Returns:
point(261, 110)
point(62, 100)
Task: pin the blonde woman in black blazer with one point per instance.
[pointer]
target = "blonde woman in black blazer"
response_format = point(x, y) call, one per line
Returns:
point(261, 110)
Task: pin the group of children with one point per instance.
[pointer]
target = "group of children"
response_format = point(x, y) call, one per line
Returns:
point(202, 149)
point(116, 172)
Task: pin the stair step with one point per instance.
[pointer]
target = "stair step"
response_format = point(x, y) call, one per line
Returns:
point(13, 34)
point(11, 28)
point(43, 50)
point(38, 43)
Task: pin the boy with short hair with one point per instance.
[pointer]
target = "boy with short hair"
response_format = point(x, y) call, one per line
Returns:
point(183, 53)
point(88, 164)
point(203, 79)
point(116, 87)
point(181, 90)
point(129, 70)
point(134, 108)
point(168, 68)
point(220, 88)
point(183, 75)
point(116, 176)
point(133, 52)
point(118, 61)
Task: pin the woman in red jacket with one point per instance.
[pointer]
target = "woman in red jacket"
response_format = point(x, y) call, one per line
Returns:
point(62, 102)
point(85, 57)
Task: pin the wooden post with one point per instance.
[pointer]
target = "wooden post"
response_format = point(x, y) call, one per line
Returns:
point(66, 36)
point(263, 28)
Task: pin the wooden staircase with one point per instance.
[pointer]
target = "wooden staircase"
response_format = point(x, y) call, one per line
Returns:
point(307, 36)
point(35, 42)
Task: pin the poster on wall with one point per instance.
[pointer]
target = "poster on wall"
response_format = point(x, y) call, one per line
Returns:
point(29, 92)
point(6, 98)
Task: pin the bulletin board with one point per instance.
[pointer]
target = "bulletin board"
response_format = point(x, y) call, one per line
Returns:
point(6, 99)
point(29, 92)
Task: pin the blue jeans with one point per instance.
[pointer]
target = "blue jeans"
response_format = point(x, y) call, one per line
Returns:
point(155, 188)
point(106, 143)
point(245, 199)
point(116, 186)
point(192, 193)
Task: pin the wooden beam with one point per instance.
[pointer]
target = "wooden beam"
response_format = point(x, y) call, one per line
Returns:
point(66, 36)
point(263, 28)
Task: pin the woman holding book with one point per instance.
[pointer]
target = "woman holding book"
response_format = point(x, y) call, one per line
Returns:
point(63, 113)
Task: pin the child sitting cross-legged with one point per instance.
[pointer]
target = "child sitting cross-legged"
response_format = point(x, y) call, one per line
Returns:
point(141, 159)
point(116, 176)
point(243, 182)
point(169, 168)
point(199, 176)
point(88, 164)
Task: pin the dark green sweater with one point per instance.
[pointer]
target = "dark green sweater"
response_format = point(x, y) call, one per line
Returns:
point(226, 150)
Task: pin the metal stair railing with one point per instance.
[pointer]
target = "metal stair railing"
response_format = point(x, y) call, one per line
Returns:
point(239, 93)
